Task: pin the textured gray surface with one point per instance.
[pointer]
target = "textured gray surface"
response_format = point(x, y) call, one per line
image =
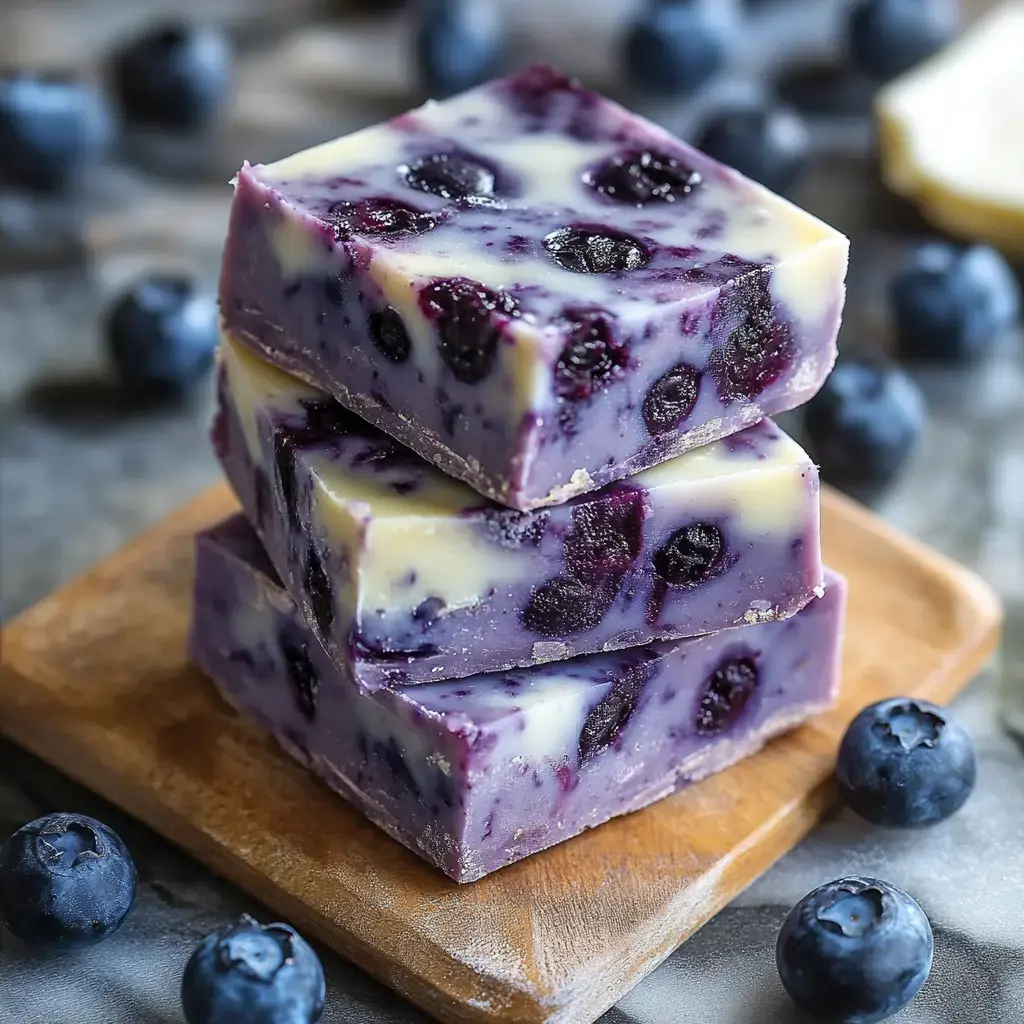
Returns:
point(80, 473)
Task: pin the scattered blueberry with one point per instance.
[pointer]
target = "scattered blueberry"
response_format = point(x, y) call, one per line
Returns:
point(50, 128)
point(464, 313)
point(248, 973)
point(65, 880)
point(458, 44)
point(378, 217)
point(905, 763)
point(854, 951)
point(608, 717)
point(768, 144)
point(162, 334)
point(389, 336)
point(173, 76)
point(593, 249)
point(672, 47)
point(862, 426)
point(591, 357)
point(670, 399)
point(692, 554)
point(641, 177)
point(951, 302)
point(564, 606)
point(450, 176)
point(887, 37)
point(726, 696)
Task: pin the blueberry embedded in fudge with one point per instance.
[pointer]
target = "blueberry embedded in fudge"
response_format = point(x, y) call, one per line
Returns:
point(473, 774)
point(533, 288)
point(406, 575)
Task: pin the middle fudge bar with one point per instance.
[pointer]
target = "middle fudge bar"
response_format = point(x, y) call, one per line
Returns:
point(406, 575)
point(533, 288)
point(477, 773)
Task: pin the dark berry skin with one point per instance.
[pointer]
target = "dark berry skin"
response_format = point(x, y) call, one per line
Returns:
point(770, 145)
point(905, 764)
point(450, 176)
point(854, 951)
point(670, 399)
point(671, 48)
point(591, 358)
point(457, 44)
point(726, 695)
point(378, 217)
point(162, 333)
point(693, 554)
point(608, 717)
point(50, 128)
point(389, 336)
point(174, 76)
point(862, 426)
point(639, 177)
point(463, 312)
point(593, 249)
point(952, 303)
point(248, 973)
point(65, 880)
point(305, 682)
point(887, 37)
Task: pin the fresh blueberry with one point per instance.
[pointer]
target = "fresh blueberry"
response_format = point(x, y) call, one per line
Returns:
point(173, 76)
point(692, 554)
point(645, 176)
point(378, 217)
point(862, 426)
point(726, 695)
point(905, 763)
point(389, 336)
point(450, 176)
point(50, 127)
point(248, 973)
point(594, 249)
point(672, 47)
point(458, 44)
point(464, 312)
point(768, 144)
point(887, 37)
point(952, 303)
point(162, 334)
point(670, 399)
point(854, 951)
point(65, 880)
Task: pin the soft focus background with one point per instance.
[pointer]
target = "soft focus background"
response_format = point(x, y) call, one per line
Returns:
point(86, 463)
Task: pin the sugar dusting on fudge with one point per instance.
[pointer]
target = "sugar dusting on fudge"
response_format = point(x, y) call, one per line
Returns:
point(532, 287)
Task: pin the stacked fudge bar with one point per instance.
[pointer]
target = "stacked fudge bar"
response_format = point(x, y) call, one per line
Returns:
point(520, 549)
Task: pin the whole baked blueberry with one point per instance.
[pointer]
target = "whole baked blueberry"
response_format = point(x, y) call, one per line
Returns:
point(887, 37)
point(768, 144)
point(854, 951)
point(174, 75)
point(65, 880)
point(672, 47)
point(905, 763)
point(862, 426)
point(248, 973)
point(458, 44)
point(162, 334)
point(951, 302)
point(50, 128)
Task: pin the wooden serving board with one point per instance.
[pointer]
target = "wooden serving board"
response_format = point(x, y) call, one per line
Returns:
point(95, 680)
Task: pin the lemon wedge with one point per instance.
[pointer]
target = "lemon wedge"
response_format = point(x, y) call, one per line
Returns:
point(951, 133)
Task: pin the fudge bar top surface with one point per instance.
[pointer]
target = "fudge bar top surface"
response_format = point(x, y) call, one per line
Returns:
point(479, 701)
point(553, 195)
point(360, 465)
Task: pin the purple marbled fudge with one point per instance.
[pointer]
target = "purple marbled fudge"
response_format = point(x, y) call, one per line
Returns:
point(477, 773)
point(408, 576)
point(533, 288)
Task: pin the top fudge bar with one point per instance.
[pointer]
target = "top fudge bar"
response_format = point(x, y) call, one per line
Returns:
point(533, 288)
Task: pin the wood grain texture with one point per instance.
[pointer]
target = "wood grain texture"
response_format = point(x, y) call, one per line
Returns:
point(95, 680)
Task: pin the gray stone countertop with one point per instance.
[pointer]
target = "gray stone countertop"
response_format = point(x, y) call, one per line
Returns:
point(81, 471)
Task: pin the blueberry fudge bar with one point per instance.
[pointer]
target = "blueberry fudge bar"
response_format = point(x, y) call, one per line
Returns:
point(532, 287)
point(407, 575)
point(477, 773)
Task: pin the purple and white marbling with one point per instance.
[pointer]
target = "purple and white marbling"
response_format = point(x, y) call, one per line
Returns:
point(532, 287)
point(408, 576)
point(477, 773)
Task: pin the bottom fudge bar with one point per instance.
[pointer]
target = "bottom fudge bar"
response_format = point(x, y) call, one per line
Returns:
point(473, 774)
